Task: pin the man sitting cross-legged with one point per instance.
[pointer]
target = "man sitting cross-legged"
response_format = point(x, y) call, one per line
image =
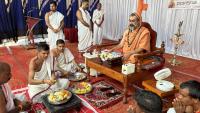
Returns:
point(42, 76)
point(64, 60)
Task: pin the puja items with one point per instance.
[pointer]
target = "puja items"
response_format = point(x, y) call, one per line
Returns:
point(59, 97)
point(112, 59)
point(82, 88)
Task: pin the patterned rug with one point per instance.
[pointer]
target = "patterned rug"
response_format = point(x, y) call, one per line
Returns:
point(104, 94)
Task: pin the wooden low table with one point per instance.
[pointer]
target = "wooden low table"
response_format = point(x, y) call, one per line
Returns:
point(114, 72)
point(151, 86)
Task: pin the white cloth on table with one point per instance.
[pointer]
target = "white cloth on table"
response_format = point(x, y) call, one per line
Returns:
point(55, 21)
point(97, 18)
point(45, 74)
point(84, 33)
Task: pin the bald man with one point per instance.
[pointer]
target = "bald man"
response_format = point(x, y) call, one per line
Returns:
point(8, 103)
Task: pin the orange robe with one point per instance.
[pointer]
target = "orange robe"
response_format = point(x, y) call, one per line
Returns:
point(139, 38)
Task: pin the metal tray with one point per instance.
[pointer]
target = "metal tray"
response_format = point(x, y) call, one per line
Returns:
point(60, 102)
point(78, 76)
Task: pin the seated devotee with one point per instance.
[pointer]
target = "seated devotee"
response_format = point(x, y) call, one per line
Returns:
point(42, 78)
point(146, 102)
point(136, 39)
point(8, 103)
point(64, 60)
point(188, 100)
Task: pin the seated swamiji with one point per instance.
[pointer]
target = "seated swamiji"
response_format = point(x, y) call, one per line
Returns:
point(136, 39)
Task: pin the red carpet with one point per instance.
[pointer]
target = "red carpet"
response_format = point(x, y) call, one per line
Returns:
point(23, 56)
point(18, 58)
point(3, 51)
point(19, 76)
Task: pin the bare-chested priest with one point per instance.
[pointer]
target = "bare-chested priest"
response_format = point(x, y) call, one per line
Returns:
point(64, 60)
point(41, 75)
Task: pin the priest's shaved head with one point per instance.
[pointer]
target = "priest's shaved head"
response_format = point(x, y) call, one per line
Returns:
point(146, 102)
point(149, 102)
point(5, 72)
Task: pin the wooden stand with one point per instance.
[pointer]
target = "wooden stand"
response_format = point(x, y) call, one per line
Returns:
point(31, 23)
point(151, 86)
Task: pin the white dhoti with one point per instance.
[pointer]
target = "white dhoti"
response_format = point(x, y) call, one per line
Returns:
point(65, 60)
point(97, 18)
point(36, 91)
point(8, 96)
point(55, 21)
point(84, 33)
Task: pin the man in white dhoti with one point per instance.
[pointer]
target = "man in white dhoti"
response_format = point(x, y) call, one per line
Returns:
point(84, 27)
point(97, 19)
point(8, 102)
point(55, 23)
point(42, 78)
point(64, 60)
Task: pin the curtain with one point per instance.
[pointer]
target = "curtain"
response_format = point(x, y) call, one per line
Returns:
point(45, 7)
point(71, 13)
point(93, 6)
point(116, 13)
point(6, 30)
point(17, 18)
point(162, 19)
point(61, 7)
point(32, 10)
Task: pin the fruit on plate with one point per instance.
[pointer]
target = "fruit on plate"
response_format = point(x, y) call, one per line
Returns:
point(82, 88)
point(59, 96)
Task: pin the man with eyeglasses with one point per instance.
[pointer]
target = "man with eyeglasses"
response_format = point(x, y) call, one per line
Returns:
point(136, 39)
